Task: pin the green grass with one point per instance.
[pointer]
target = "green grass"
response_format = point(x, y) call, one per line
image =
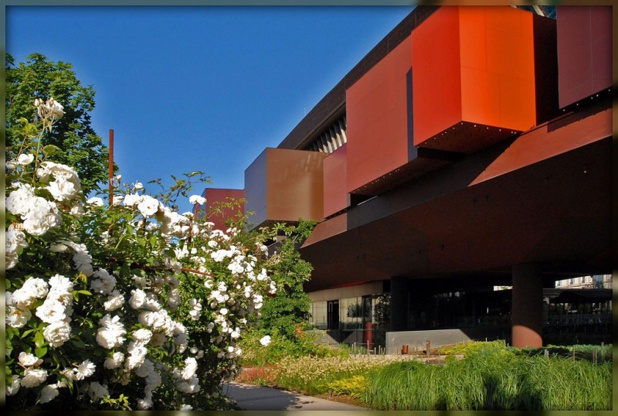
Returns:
point(493, 378)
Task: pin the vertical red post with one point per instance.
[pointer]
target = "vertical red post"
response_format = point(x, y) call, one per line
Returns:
point(111, 167)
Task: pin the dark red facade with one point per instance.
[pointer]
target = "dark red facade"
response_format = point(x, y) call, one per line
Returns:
point(478, 143)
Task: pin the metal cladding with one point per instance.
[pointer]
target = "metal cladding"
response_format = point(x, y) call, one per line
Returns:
point(220, 205)
point(469, 140)
point(285, 185)
point(584, 52)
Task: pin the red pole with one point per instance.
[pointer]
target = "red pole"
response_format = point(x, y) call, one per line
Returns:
point(111, 167)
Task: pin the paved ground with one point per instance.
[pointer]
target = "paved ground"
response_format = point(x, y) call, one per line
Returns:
point(251, 397)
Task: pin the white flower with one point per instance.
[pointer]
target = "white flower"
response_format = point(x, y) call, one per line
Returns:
point(190, 368)
point(137, 299)
point(18, 201)
point(114, 301)
point(33, 377)
point(17, 317)
point(97, 391)
point(62, 189)
point(57, 333)
point(96, 201)
point(111, 332)
point(138, 186)
point(13, 386)
point(84, 370)
point(15, 240)
point(131, 199)
point(148, 206)
point(105, 282)
point(23, 160)
point(137, 355)
point(144, 404)
point(49, 108)
point(145, 369)
point(61, 288)
point(196, 310)
point(142, 336)
point(197, 199)
point(33, 288)
point(189, 387)
point(48, 393)
point(29, 360)
point(41, 216)
point(265, 341)
point(114, 361)
point(51, 311)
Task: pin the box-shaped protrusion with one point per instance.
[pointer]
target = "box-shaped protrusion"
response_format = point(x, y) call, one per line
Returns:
point(473, 71)
point(284, 185)
point(378, 113)
point(222, 205)
point(584, 51)
point(336, 197)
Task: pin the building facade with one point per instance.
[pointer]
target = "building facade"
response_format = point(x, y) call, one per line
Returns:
point(471, 148)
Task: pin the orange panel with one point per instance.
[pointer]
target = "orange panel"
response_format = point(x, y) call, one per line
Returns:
point(335, 180)
point(295, 187)
point(377, 119)
point(472, 65)
point(436, 83)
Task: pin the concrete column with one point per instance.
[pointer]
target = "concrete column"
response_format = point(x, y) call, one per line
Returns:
point(399, 303)
point(527, 306)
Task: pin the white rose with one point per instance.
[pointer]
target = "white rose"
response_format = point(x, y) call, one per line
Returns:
point(114, 361)
point(29, 360)
point(97, 391)
point(48, 393)
point(57, 333)
point(51, 311)
point(33, 377)
point(265, 341)
point(148, 206)
point(13, 387)
point(197, 199)
point(131, 199)
point(96, 201)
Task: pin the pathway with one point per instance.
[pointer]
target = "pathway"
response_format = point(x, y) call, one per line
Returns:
point(251, 397)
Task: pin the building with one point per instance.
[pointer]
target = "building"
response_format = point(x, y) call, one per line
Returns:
point(470, 148)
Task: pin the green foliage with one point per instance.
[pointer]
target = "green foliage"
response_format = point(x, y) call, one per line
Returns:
point(288, 312)
point(73, 141)
point(493, 378)
point(281, 346)
point(86, 282)
point(354, 386)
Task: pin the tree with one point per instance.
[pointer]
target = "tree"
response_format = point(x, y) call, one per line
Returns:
point(80, 147)
point(289, 311)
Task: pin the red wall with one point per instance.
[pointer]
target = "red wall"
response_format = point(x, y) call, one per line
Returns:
point(216, 195)
point(377, 119)
point(584, 51)
point(335, 181)
point(472, 66)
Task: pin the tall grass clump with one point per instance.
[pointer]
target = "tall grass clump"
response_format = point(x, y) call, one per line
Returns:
point(493, 378)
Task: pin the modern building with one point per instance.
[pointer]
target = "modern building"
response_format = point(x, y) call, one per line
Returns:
point(470, 148)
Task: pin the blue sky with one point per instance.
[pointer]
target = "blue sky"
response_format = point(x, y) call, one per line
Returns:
point(200, 88)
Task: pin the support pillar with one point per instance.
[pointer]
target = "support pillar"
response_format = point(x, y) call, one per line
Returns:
point(399, 303)
point(527, 306)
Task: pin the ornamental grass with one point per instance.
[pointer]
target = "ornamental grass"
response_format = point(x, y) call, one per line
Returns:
point(493, 379)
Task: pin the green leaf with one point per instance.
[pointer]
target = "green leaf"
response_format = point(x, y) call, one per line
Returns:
point(40, 351)
point(39, 341)
point(50, 150)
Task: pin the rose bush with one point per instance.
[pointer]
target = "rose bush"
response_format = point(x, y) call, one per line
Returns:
point(127, 306)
